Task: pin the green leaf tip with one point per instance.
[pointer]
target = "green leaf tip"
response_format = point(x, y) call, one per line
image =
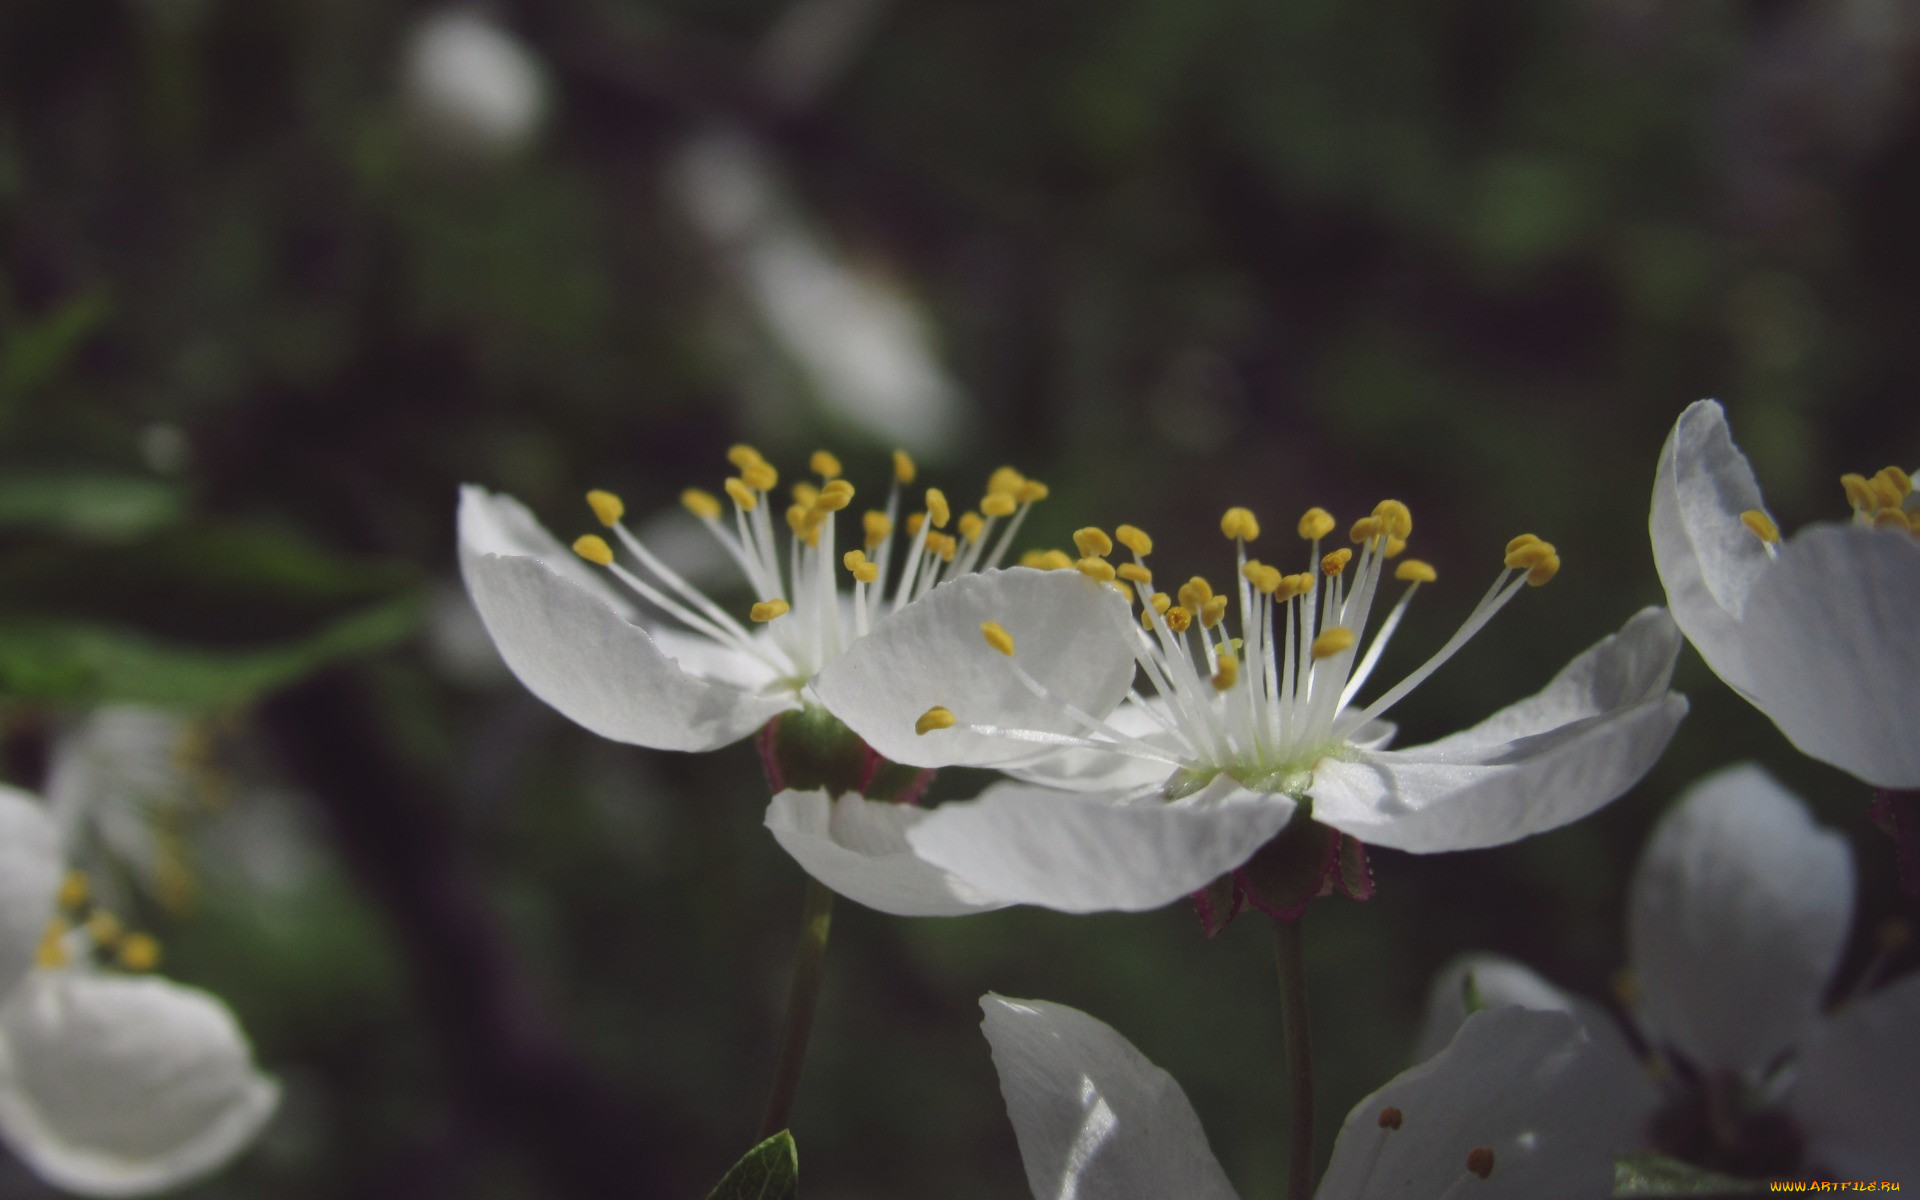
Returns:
point(769, 1171)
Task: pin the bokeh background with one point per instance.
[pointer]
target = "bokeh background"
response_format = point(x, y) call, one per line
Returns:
point(277, 276)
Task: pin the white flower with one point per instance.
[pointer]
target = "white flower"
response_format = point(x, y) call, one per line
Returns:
point(647, 658)
point(1816, 631)
point(1737, 916)
point(111, 1084)
point(1134, 809)
point(1507, 1110)
point(473, 87)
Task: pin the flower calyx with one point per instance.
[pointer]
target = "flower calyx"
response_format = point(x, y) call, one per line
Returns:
point(1303, 862)
point(808, 749)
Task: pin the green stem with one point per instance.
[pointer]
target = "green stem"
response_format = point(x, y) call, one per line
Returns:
point(1296, 1031)
point(803, 996)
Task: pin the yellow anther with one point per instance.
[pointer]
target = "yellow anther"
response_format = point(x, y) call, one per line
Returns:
point(1364, 530)
point(971, 523)
point(997, 637)
point(760, 476)
point(1161, 602)
point(741, 494)
point(700, 504)
point(1525, 539)
point(74, 890)
point(138, 952)
point(1126, 592)
point(1265, 579)
point(802, 521)
point(1228, 672)
point(998, 504)
point(1526, 550)
point(805, 494)
point(767, 610)
point(52, 951)
point(1333, 641)
point(836, 495)
point(1299, 585)
point(1030, 491)
point(1886, 493)
point(1316, 523)
point(1195, 593)
point(1901, 481)
point(1480, 1161)
point(743, 456)
point(1892, 518)
point(1005, 479)
point(1135, 572)
point(594, 549)
point(944, 545)
point(1092, 542)
point(608, 507)
point(915, 523)
point(104, 928)
point(903, 469)
point(1336, 562)
point(1212, 612)
point(1178, 619)
point(1096, 568)
point(859, 567)
point(1395, 518)
point(1415, 571)
point(1394, 547)
point(877, 526)
point(1046, 560)
point(937, 508)
point(934, 718)
point(1240, 524)
point(1761, 526)
point(1391, 1117)
point(824, 464)
point(1135, 539)
point(1543, 571)
point(1859, 492)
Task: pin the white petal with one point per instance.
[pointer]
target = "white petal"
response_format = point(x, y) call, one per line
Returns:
point(1856, 1099)
point(1069, 632)
point(31, 867)
point(1707, 559)
point(1527, 1085)
point(1095, 1119)
point(1737, 914)
point(1078, 769)
point(117, 1086)
point(496, 523)
point(1833, 650)
point(600, 670)
point(1089, 852)
point(858, 847)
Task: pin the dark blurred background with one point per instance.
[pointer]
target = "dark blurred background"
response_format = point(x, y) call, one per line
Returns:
point(276, 276)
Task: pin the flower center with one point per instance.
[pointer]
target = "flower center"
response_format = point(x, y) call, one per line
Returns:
point(804, 618)
point(84, 929)
point(1265, 706)
point(1885, 501)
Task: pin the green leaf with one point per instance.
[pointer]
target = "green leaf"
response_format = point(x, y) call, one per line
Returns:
point(92, 507)
point(34, 353)
point(1658, 1175)
point(769, 1171)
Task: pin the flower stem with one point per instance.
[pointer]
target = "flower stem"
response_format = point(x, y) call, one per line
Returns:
point(1296, 1032)
point(803, 995)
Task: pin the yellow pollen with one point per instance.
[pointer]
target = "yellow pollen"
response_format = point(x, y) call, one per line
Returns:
point(915, 522)
point(1135, 539)
point(1266, 579)
point(1336, 562)
point(877, 526)
point(760, 476)
point(998, 504)
point(594, 549)
point(1543, 571)
point(743, 456)
point(139, 952)
point(937, 508)
point(971, 523)
point(1134, 572)
point(932, 719)
point(1391, 1117)
point(1316, 523)
point(1415, 571)
point(1228, 673)
point(1212, 612)
point(1096, 568)
point(741, 494)
point(74, 890)
point(1178, 619)
point(52, 951)
point(1761, 526)
point(767, 610)
point(1901, 481)
point(824, 464)
point(1526, 550)
point(1030, 490)
point(1364, 530)
point(860, 568)
point(1005, 479)
point(805, 493)
point(606, 506)
point(1195, 593)
point(836, 495)
point(1394, 547)
point(903, 469)
point(700, 504)
point(1480, 1161)
point(998, 637)
point(1395, 518)
point(1092, 542)
point(1333, 641)
point(1240, 524)
point(104, 928)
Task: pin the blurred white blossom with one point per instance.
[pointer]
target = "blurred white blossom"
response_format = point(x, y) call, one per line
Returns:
point(471, 87)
